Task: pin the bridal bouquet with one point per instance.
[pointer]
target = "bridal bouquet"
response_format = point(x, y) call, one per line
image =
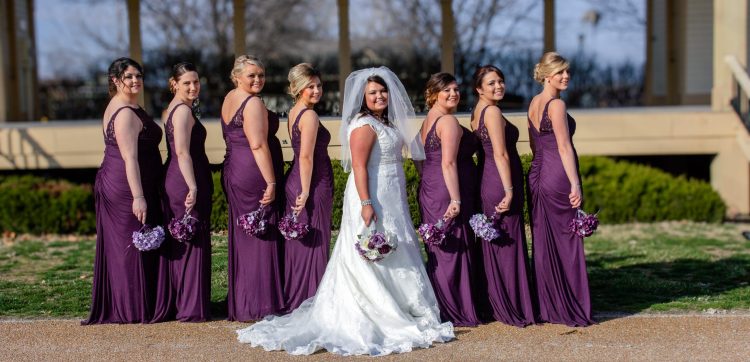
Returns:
point(375, 245)
point(254, 223)
point(433, 234)
point(484, 227)
point(584, 224)
point(148, 238)
point(184, 228)
point(291, 228)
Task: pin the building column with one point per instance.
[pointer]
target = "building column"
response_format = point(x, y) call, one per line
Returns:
point(345, 46)
point(6, 33)
point(448, 40)
point(238, 21)
point(134, 30)
point(730, 38)
point(18, 80)
point(549, 26)
point(134, 37)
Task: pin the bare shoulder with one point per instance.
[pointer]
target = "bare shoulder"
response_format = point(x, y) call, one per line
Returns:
point(493, 112)
point(447, 121)
point(308, 119)
point(557, 105)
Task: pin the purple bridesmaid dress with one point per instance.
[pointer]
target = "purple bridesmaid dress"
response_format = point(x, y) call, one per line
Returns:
point(254, 268)
point(305, 260)
point(559, 262)
point(505, 260)
point(184, 288)
point(449, 265)
point(124, 278)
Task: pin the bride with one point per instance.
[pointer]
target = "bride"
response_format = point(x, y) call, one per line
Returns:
point(364, 307)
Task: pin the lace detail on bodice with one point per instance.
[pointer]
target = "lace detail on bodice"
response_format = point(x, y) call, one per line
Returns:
point(239, 119)
point(389, 144)
point(146, 121)
point(481, 131)
point(545, 124)
point(296, 133)
point(432, 141)
point(169, 125)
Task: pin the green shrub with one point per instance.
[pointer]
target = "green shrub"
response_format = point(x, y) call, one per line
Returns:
point(621, 191)
point(35, 205)
point(625, 192)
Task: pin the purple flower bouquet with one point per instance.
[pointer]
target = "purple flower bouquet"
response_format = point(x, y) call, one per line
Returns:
point(484, 227)
point(584, 224)
point(183, 229)
point(148, 238)
point(375, 245)
point(254, 223)
point(433, 234)
point(291, 228)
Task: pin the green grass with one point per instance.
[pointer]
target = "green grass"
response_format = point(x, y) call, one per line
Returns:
point(632, 268)
point(669, 266)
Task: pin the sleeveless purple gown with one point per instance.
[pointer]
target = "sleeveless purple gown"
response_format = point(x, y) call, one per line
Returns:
point(449, 265)
point(505, 260)
point(184, 288)
point(305, 260)
point(124, 283)
point(559, 262)
point(254, 268)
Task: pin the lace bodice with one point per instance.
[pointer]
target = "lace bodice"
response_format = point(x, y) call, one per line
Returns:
point(389, 144)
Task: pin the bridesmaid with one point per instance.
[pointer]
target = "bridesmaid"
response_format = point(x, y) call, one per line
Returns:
point(126, 193)
point(184, 290)
point(505, 260)
point(446, 191)
point(309, 189)
point(555, 188)
point(252, 165)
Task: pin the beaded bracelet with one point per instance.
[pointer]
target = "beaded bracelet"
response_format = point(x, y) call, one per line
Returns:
point(457, 202)
point(366, 202)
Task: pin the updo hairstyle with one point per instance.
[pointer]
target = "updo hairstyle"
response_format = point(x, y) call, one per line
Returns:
point(550, 64)
point(117, 69)
point(241, 62)
point(177, 71)
point(300, 76)
point(437, 82)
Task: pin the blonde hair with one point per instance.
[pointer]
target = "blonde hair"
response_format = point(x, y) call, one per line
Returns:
point(549, 64)
point(299, 77)
point(241, 62)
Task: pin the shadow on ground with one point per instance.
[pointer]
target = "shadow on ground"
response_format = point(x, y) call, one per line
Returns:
point(664, 285)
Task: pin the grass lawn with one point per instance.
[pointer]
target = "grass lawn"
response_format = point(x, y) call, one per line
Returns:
point(632, 268)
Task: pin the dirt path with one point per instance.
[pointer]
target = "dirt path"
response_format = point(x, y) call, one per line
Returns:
point(640, 337)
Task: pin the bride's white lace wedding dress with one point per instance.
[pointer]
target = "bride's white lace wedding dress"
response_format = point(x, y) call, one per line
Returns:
point(363, 307)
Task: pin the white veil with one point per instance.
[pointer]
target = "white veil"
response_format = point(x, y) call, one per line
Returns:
point(400, 112)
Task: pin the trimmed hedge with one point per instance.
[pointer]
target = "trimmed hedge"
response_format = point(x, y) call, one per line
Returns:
point(32, 204)
point(625, 192)
point(621, 191)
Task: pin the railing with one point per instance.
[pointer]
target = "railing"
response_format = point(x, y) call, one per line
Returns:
point(742, 82)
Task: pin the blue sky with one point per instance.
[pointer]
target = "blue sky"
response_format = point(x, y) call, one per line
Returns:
point(65, 42)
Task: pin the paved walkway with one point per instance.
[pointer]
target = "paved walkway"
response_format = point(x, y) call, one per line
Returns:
point(641, 337)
